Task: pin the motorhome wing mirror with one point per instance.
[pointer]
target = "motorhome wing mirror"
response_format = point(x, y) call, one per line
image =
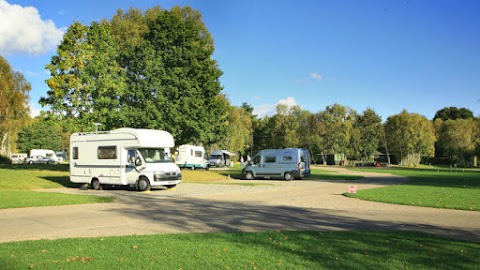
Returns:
point(138, 162)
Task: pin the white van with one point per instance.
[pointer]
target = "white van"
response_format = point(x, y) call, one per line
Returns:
point(289, 163)
point(125, 156)
point(191, 156)
point(219, 158)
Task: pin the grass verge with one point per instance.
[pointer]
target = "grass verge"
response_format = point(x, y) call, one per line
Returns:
point(18, 185)
point(433, 187)
point(264, 250)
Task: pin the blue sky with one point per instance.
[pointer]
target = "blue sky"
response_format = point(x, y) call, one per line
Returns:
point(418, 55)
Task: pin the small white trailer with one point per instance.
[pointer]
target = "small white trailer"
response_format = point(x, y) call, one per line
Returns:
point(191, 156)
point(125, 157)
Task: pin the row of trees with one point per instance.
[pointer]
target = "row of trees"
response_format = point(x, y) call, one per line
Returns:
point(339, 134)
point(155, 70)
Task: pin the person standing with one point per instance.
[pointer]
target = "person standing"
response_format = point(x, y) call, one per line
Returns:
point(241, 161)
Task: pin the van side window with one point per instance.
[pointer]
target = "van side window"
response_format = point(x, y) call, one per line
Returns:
point(270, 159)
point(107, 152)
point(75, 153)
point(287, 158)
point(198, 154)
point(131, 156)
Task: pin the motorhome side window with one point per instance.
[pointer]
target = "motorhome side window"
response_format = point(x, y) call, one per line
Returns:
point(270, 159)
point(107, 152)
point(198, 154)
point(75, 152)
point(287, 158)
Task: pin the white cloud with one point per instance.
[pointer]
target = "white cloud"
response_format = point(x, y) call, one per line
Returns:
point(289, 101)
point(316, 76)
point(23, 31)
point(34, 111)
point(270, 109)
point(264, 110)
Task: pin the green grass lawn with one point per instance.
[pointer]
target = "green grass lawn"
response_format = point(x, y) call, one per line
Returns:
point(430, 187)
point(18, 185)
point(264, 250)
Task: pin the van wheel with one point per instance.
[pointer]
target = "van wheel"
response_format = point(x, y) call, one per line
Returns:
point(143, 184)
point(30, 162)
point(249, 175)
point(288, 176)
point(193, 168)
point(95, 184)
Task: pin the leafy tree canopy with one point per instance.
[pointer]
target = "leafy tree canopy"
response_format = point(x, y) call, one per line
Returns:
point(141, 70)
point(14, 109)
point(453, 113)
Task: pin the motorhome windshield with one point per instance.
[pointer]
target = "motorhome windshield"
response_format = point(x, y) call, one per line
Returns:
point(154, 155)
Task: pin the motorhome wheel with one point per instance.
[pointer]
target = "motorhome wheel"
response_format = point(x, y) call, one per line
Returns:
point(143, 184)
point(288, 176)
point(95, 184)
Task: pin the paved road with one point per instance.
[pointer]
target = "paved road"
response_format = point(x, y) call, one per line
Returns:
point(296, 205)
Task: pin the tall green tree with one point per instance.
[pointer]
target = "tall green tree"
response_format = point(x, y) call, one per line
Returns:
point(142, 70)
point(238, 136)
point(14, 109)
point(410, 137)
point(458, 138)
point(369, 126)
point(86, 81)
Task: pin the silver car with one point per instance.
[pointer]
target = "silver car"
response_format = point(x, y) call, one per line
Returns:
point(39, 159)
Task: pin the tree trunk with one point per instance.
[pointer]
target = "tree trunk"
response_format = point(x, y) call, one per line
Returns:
point(3, 149)
point(324, 158)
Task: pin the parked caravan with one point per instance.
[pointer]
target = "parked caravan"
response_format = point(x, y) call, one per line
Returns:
point(191, 156)
point(125, 156)
point(289, 163)
point(18, 158)
point(44, 153)
point(220, 158)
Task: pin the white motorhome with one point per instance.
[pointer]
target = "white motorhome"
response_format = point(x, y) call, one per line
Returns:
point(289, 164)
point(44, 153)
point(125, 156)
point(18, 158)
point(191, 156)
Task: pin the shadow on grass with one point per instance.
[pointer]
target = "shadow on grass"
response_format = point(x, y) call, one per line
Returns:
point(49, 167)
point(62, 180)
